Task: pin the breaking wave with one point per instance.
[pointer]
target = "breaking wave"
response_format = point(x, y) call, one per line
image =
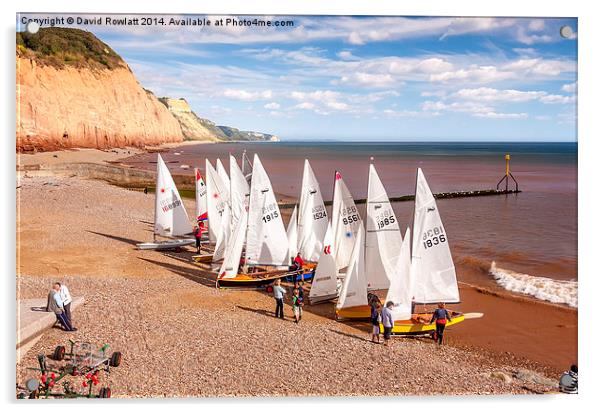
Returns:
point(555, 291)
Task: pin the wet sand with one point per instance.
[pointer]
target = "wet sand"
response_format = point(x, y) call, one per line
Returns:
point(87, 239)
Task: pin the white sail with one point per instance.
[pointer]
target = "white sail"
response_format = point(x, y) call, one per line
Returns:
point(239, 192)
point(267, 242)
point(217, 200)
point(171, 218)
point(354, 291)
point(401, 289)
point(221, 171)
point(346, 222)
point(432, 264)
point(200, 197)
point(223, 237)
point(313, 220)
point(324, 283)
point(229, 268)
point(291, 234)
point(383, 238)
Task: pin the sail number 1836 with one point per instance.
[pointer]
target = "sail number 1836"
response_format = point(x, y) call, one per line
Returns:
point(433, 237)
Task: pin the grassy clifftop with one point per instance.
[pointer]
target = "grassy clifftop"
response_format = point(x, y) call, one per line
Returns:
point(62, 47)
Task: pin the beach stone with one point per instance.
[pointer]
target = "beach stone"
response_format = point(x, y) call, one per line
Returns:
point(534, 377)
point(504, 377)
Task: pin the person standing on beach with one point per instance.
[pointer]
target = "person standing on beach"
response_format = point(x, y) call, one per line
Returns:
point(55, 304)
point(440, 317)
point(387, 319)
point(198, 233)
point(375, 321)
point(65, 295)
point(299, 289)
point(279, 293)
point(297, 305)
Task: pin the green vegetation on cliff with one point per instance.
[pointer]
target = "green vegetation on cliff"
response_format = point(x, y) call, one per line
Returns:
point(61, 47)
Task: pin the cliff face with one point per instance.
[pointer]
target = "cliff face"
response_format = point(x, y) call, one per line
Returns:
point(193, 127)
point(197, 128)
point(73, 99)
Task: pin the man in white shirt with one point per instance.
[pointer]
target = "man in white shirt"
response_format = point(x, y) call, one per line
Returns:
point(66, 298)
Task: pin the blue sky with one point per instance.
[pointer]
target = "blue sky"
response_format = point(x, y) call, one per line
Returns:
point(366, 78)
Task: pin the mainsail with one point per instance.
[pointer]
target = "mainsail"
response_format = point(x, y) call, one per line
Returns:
point(292, 235)
point(223, 237)
point(221, 171)
point(432, 265)
point(171, 218)
point(346, 222)
point(229, 268)
point(201, 196)
point(313, 220)
point(324, 283)
point(354, 292)
point(383, 238)
point(239, 192)
point(217, 200)
point(401, 289)
point(267, 242)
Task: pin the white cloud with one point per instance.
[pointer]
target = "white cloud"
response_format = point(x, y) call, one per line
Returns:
point(375, 80)
point(409, 113)
point(305, 106)
point(472, 108)
point(537, 24)
point(487, 94)
point(272, 106)
point(245, 95)
point(570, 88)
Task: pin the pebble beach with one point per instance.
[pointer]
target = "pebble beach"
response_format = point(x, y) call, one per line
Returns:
point(182, 337)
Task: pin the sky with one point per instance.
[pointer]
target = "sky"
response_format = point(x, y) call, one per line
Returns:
point(363, 78)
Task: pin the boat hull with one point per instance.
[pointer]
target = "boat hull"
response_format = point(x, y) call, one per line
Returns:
point(419, 324)
point(415, 326)
point(251, 280)
point(203, 258)
point(166, 245)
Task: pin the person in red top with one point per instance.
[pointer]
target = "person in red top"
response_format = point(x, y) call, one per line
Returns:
point(298, 262)
point(198, 233)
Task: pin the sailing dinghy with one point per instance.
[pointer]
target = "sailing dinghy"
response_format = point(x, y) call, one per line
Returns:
point(383, 238)
point(267, 246)
point(324, 285)
point(346, 222)
point(313, 219)
point(171, 219)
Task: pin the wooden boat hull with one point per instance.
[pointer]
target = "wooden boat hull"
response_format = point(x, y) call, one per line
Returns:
point(252, 280)
point(166, 245)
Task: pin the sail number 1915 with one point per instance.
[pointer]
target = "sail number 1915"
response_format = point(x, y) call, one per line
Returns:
point(433, 237)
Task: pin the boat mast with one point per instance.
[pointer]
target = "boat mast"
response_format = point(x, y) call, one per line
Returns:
point(156, 194)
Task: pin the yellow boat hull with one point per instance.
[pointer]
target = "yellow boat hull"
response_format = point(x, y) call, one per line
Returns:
point(417, 325)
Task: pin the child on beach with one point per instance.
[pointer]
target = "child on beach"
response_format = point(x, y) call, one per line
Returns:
point(198, 233)
point(299, 288)
point(297, 305)
point(375, 321)
point(387, 319)
point(279, 293)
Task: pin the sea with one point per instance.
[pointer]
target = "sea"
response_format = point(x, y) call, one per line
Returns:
point(523, 243)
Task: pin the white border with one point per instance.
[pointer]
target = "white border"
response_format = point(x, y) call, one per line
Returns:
point(589, 137)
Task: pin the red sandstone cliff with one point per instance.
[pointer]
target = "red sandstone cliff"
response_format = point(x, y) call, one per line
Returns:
point(62, 106)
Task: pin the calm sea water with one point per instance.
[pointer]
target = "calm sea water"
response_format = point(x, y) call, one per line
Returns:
point(534, 232)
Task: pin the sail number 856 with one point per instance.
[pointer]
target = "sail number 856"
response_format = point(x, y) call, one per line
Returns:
point(433, 237)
